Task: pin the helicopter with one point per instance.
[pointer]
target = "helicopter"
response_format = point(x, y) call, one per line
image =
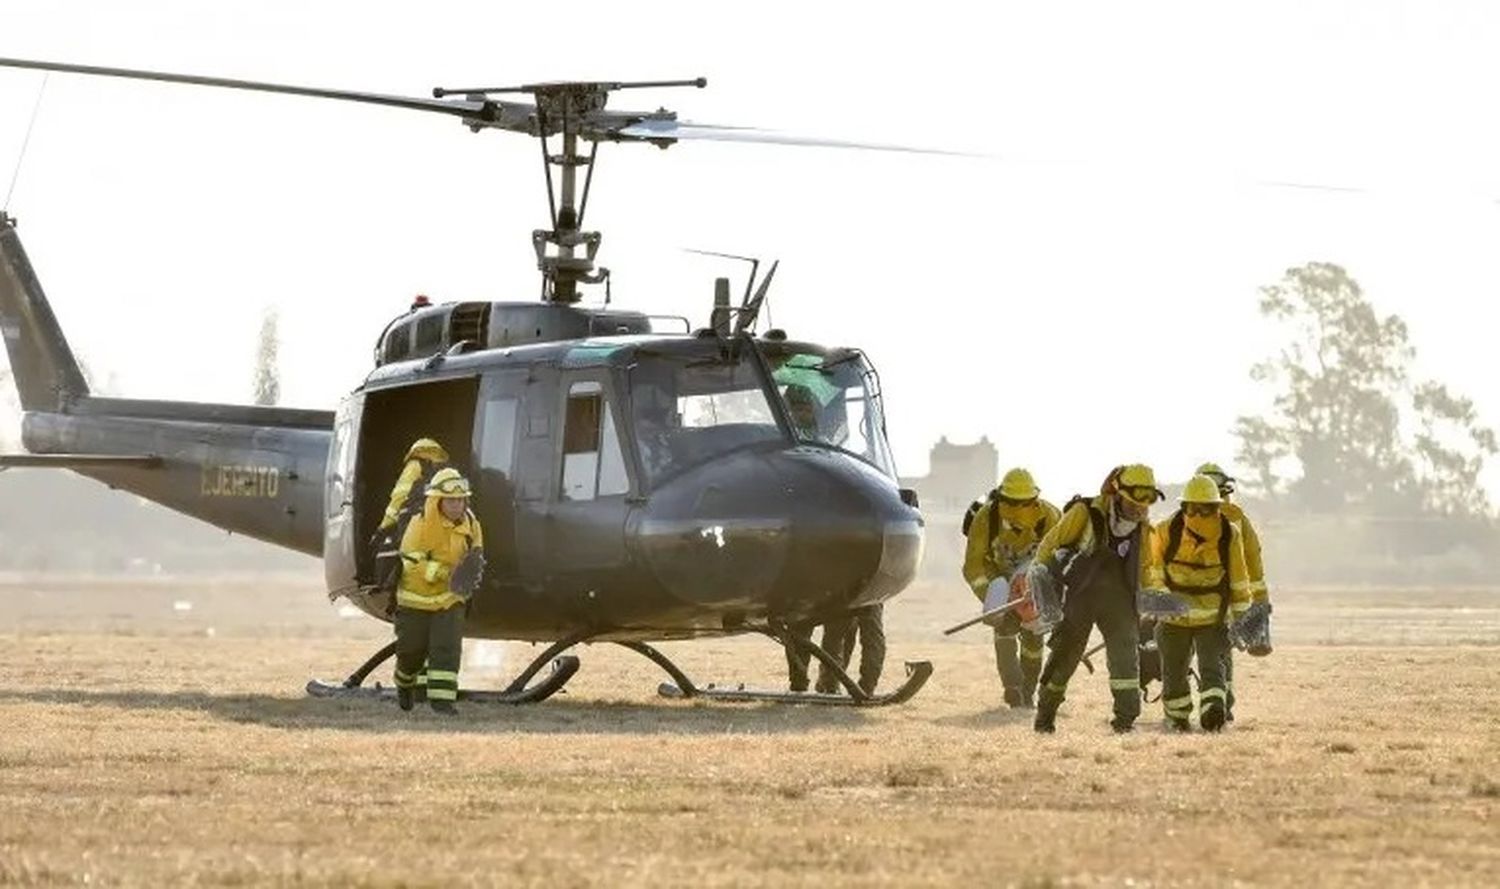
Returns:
point(636, 484)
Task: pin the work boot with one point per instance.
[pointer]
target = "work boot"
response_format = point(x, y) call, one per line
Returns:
point(1175, 724)
point(444, 708)
point(1046, 716)
point(799, 687)
point(1212, 719)
point(1013, 697)
point(405, 698)
point(1122, 725)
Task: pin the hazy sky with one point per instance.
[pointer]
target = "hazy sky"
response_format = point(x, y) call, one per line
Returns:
point(1085, 297)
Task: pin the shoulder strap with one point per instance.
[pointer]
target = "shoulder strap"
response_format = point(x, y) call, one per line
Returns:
point(969, 515)
point(1174, 538)
point(994, 528)
point(1225, 530)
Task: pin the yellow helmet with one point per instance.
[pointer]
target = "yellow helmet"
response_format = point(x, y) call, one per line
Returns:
point(427, 449)
point(1201, 488)
point(1136, 486)
point(1018, 485)
point(448, 482)
point(1222, 479)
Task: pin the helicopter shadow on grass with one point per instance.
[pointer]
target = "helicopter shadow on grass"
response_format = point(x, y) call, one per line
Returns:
point(559, 716)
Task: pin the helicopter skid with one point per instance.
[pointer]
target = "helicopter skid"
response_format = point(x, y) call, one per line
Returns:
point(563, 669)
point(917, 674)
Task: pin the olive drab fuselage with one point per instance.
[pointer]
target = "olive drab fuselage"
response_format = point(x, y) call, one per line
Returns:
point(775, 530)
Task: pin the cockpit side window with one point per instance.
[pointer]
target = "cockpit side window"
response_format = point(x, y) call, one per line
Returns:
point(834, 400)
point(398, 343)
point(593, 464)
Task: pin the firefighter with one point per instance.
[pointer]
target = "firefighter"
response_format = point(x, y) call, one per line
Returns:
point(430, 615)
point(1203, 560)
point(423, 459)
point(1107, 560)
point(1002, 533)
point(1254, 566)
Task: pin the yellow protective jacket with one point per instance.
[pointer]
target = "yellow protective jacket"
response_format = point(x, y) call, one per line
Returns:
point(424, 449)
point(1251, 541)
point(430, 549)
point(1076, 532)
point(1195, 568)
point(992, 551)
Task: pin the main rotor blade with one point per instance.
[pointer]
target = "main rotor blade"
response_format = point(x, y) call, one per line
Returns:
point(671, 129)
point(454, 107)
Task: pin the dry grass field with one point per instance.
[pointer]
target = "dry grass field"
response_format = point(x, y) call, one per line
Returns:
point(155, 733)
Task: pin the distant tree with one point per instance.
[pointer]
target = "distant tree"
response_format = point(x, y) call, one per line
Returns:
point(1344, 400)
point(267, 375)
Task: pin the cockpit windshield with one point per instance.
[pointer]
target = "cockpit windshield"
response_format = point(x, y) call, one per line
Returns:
point(692, 406)
point(833, 398)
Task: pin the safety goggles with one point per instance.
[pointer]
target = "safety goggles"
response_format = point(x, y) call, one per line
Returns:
point(1200, 509)
point(1141, 493)
point(1011, 501)
point(450, 488)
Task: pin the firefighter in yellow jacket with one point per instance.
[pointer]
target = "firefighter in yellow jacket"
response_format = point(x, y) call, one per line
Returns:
point(423, 459)
point(1203, 560)
point(1254, 566)
point(1109, 562)
point(429, 614)
point(1002, 533)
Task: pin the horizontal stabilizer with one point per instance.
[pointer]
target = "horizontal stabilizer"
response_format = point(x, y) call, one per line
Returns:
point(80, 461)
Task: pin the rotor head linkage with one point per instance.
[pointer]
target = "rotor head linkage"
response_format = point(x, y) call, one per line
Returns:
point(535, 89)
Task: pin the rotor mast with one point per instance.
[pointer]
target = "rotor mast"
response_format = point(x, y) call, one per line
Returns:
point(573, 112)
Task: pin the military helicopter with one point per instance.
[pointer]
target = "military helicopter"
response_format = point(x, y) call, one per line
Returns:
point(635, 484)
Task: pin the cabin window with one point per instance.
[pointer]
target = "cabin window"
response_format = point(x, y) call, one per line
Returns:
point(498, 446)
point(593, 464)
point(430, 333)
point(398, 343)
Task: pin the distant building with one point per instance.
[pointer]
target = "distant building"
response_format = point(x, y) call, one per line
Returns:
point(958, 474)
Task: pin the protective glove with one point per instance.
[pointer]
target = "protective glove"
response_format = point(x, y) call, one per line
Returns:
point(1160, 604)
point(435, 571)
point(1251, 631)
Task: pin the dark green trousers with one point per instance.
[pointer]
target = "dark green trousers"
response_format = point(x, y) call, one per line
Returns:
point(866, 626)
point(1110, 605)
point(1178, 645)
point(435, 638)
point(797, 662)
point(1018, 660)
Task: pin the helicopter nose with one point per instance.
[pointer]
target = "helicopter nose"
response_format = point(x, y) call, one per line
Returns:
point(856, 542)
point(790, 533)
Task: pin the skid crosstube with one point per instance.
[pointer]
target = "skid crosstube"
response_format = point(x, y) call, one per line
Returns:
point(917, 674)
